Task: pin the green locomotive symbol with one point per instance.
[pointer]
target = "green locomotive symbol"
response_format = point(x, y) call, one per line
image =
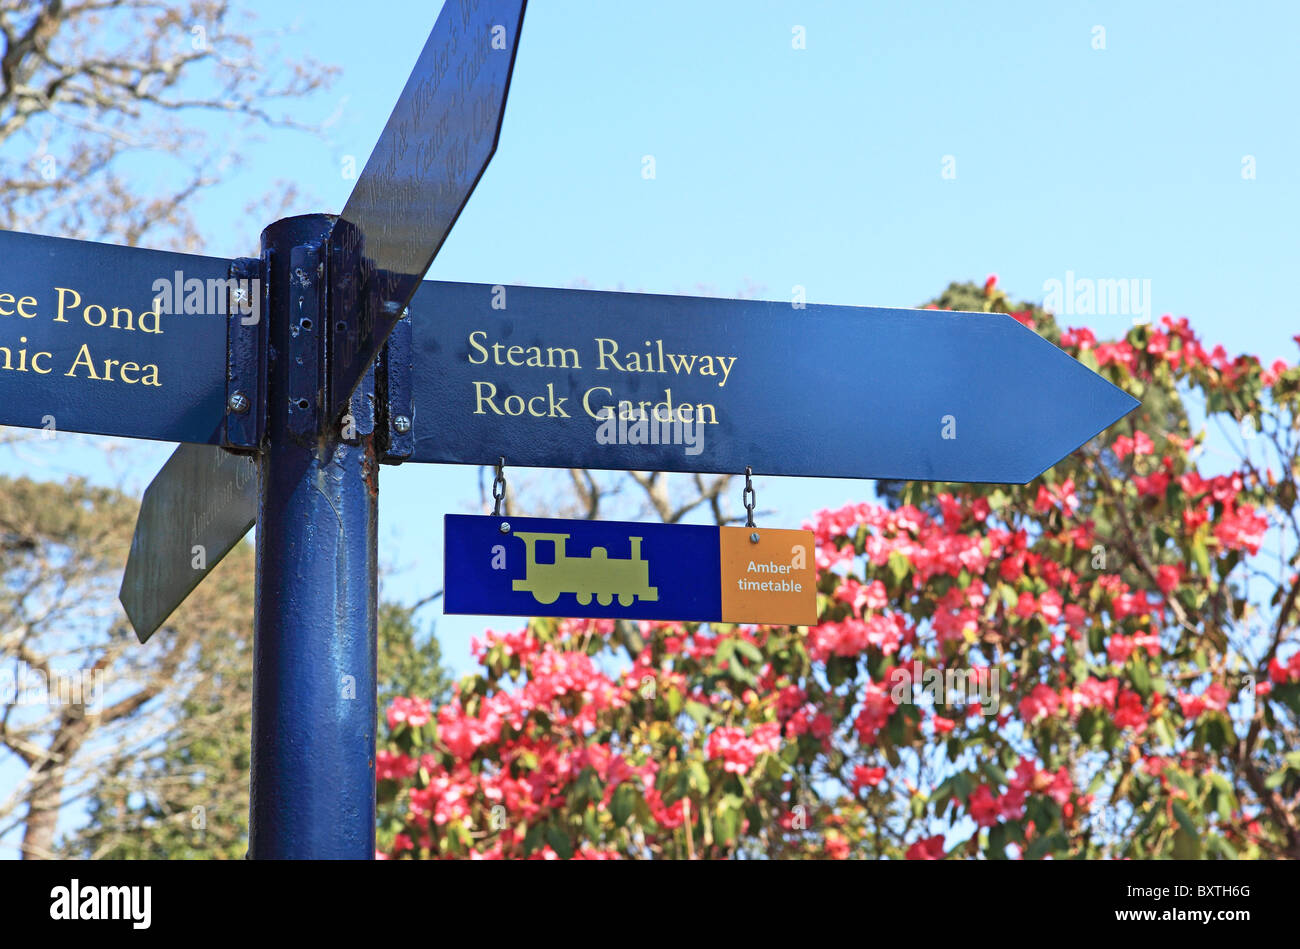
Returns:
point(584, 577)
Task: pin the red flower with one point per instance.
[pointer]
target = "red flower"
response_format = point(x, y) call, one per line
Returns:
point(1168, 577)
point(1041, 701)
point(984, 807)
point(1082, 337)
point(1049, 604)
point(1129, 712)
point(931, 848)
point(413, 712)
point(866, 777)
point(1270, 376)
point(1152, 485)
point(393, 766)
point(1215, 698)
point(1241, 529)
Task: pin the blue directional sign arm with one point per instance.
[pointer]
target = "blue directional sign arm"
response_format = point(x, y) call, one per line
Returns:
point(437, 143)
point(197, 508)
point(579, 378)
point(111, 340)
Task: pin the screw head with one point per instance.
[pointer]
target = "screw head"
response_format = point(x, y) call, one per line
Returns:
point(238, 403)
point(401, 424)
point(505, 527)
point(754, 537)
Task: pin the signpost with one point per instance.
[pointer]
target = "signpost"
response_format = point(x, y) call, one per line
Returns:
point(305, 366)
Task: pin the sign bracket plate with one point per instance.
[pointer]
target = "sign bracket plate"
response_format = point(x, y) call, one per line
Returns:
point(245, 421)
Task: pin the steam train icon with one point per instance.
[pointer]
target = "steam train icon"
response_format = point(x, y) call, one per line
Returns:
point(598, 575)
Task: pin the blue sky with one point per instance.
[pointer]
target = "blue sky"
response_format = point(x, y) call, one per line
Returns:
point(821, 167)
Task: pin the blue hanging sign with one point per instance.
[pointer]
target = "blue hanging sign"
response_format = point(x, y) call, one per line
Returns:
point(529, 566)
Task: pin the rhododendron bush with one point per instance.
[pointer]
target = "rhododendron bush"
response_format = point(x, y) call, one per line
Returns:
point(1101, 663)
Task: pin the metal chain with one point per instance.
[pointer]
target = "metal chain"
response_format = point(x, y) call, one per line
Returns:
point(748, 498)
point(499, 487)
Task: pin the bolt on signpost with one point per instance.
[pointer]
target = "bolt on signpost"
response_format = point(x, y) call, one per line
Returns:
point(290, 378)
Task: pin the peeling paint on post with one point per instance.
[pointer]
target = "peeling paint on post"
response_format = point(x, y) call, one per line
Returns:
point(313, 777)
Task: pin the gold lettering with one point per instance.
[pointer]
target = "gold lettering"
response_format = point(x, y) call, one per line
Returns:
point(477, 345)
point(59, 318)
point(83, 355)
point(605, 410)
point(602, 355)
point(157, 320)
point(564, 357)
point(480, 399)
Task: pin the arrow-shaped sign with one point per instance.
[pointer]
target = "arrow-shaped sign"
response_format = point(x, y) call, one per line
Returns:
point(202, 502)
point(435, 147)
point(113, 340)
point(581, 378)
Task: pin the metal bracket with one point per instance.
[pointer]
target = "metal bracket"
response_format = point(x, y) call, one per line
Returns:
point(396, 398)
point(245, 420)
point(306, 328)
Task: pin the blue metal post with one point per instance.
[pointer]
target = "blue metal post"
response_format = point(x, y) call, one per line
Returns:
point(313, 776)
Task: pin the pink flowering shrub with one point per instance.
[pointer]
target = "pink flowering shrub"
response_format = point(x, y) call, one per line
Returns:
point(1100, 663)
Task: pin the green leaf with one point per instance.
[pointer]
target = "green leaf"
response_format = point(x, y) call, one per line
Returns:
point(1164, 734)
point(749, 651)
point(1227, 798)
point(1140, 675)
point(899, 566)
point(726, 826)
point(699, 777)
point(559, 842)
point(740, 673)
point(1185, 821)
point(698, 711)
point(1216, 843)
point(623, 803)
point(1201, 555)
point(1186, 846)
point(994, 772)
point(997, 848)
point(918, 805)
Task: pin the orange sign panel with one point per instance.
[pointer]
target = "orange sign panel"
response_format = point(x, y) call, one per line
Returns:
point(771, 580)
